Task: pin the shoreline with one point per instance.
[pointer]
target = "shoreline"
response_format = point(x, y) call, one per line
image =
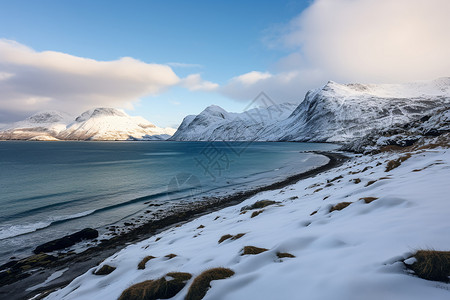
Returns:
point(78, 264)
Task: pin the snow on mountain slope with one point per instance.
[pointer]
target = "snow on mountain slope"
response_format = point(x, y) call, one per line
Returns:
point(42, 125)
point(353, 253)
point(333, 113)
point(95, 124)
point(110, 124)
point(214, 123)
point(340, 113)
point(432, 129)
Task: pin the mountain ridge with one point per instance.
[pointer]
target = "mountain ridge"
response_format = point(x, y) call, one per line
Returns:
point(95, 124)
point(335, 113)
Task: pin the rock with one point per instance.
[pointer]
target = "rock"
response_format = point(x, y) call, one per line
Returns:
point(67, 241)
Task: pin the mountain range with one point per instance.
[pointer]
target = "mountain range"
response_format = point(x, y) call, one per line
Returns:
point(333, 113)
point(103, 124)
point(339, 113)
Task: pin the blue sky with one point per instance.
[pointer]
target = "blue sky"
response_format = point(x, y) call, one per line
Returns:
point(186, 55)
point(221, 39)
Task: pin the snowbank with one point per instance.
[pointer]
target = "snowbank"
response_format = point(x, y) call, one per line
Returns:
point(353, 253)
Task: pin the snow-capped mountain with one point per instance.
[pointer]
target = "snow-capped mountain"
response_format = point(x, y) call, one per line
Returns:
point(333, 113)
point(43, 125)
point(215, 123)
point(342, 112)
point(111, 124)
point(95, 124)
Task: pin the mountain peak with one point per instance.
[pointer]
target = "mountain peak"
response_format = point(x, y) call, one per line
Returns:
point(100, 112)
point(216, 111)
point(48, 116)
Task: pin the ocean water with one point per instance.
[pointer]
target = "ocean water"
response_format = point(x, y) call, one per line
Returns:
point(50, 189)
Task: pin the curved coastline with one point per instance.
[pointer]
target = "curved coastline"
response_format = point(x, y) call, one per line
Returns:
point(77, 264)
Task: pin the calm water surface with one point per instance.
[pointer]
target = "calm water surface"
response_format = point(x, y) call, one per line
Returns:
point(50, 189)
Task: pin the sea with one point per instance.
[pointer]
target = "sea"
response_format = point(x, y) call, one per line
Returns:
point(51, 189)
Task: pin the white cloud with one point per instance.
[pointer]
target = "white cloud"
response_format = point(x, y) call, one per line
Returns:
point(194, 82)
point(281, 87)
point(251, 78)
point(355, 41)
point(183, 65)
point(31, 81)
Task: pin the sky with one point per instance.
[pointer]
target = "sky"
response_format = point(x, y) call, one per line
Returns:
point(164, 60)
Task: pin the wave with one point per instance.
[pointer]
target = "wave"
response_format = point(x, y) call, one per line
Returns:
point(9, 231)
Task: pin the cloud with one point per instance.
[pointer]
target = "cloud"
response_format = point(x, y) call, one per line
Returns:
point(369, 41)
point(280, 87)
point(194, 82)
point(31, 81)
point(183, 65)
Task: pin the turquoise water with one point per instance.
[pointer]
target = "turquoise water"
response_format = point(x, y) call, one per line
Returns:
point(50, 189)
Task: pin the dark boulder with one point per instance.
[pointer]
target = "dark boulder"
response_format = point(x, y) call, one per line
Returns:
point(67, 241)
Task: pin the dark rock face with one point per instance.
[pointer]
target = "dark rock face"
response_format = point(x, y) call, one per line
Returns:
point(67, 241)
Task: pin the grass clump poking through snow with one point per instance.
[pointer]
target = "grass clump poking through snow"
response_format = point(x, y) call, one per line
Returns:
point(225, 237)
point(163, 288)
point(340, 206)
point(284, 254)
point(141, 265)
point(432, 265)
point(252, 250)
point(256, 213)
point(259, 204)
point(105, 270)
point(232, 237)
point(392, 164)
point(170, 256)
point(202, 282)
point(368, 200)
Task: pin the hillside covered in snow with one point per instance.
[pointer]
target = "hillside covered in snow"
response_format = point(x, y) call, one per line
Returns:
point(333, 113)
point(101, 124)
point(216, 124)
point(354, 232)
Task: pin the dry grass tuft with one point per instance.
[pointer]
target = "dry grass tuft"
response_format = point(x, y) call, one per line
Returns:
point(225, 237)
point(163, 288)
point(201, 284)
point(255, 213)
point(340, 206)
point(284, 254)
point(432, 265)
point(313, 213)
point(259, 204)
point(356, 180)
point(201, 227)
point(105, 270)
point(252, 250)
point(392, 164)
point(238, 236)
point(141, 265)
point(367, 200)
point(371, 182)
point(293, 198)
point(335, 178)
point(232, 237)
point(170, 256)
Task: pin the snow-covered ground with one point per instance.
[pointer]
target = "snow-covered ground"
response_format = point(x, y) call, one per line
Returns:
point(353, 253)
